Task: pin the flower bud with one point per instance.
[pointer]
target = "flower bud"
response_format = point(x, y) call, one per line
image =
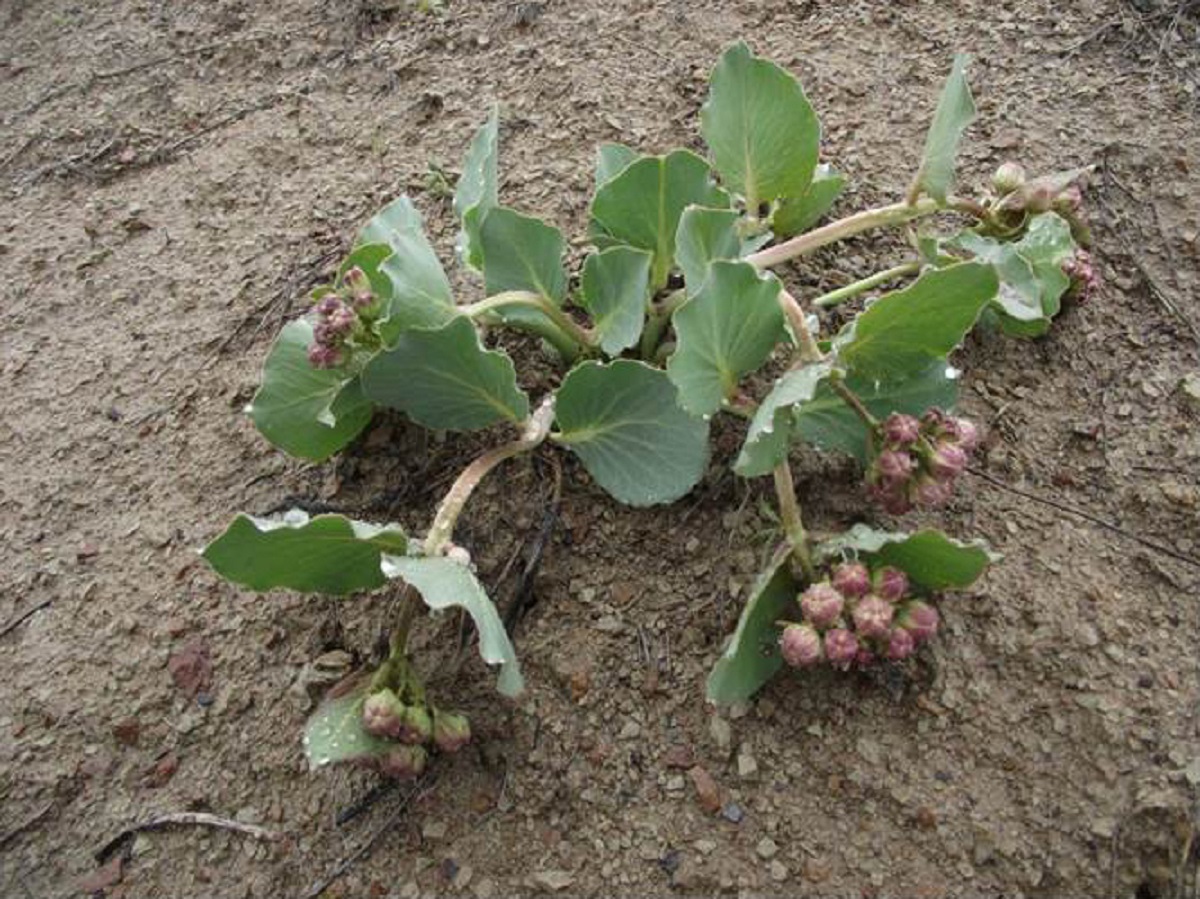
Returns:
point(364, 299)
point(932, 492)
point(415, 726)
point(894, 466)
point(321, 355)
point(800, 645)
point(966, 432)
point(841, 647)
point(872, 617)
point(403, 762)
point(341, 321)
point(1007, 178)
point(821, 604)
point(328, 305)
point(919, 619)
point(1069, 200)
point(900, 430)
point(892, 497)
point(891, 583)
point(947, 461)
point(356, 279)
point(450, 732)
point(383, 714)
point(864, 658)
point(900, 644)
point(852, 579)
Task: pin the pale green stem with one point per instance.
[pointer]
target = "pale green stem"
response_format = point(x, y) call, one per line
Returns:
point(789, 514)
point(575, 334)
point(854, 289)
point(656, 322)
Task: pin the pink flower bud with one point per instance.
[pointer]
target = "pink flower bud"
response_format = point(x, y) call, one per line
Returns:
point(321, 355)
point(328, 305)
point(852, 579)
point(821, 604)
point(932, 492)
point(800, 645)
point(947, 461)
point(451, 732)
point(1069, 200)
point(415, 726)
point(894, 466)
point(891, 583)
point(364, 300)
point(841, 647)
point(900, 430)
point(872, 617)
point(900, 644)
point(403, 762)
point(967, 433)
point(892, 497)
point(919, 619)
point(383, 714)
point(356, 279)
point(341, 321)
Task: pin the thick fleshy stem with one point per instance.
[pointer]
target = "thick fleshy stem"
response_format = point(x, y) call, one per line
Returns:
point(793, 524)
point(863, 285)
point(567, 335)
point(806, 343)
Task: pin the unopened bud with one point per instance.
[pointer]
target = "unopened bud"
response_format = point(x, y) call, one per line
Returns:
point(900, 644)
point(356, 279)
point(821, 604)
point(321, 355)
point(852, 579)
point(383, 714)
point(841, 647)
point(403, 762)
point(415, 726)
point(1008, 177)
point(919, 619)
point(894, 466)
point(873, 617)
point(891, 583)
point(933, 492)
point(451, 732)
point(328, 305)
point(947, 461)
point(900, 430)
point(893, 498)
point(800, 645)
point(967, 433)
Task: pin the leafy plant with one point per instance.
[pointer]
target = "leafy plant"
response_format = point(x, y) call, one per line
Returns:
point(667, 323)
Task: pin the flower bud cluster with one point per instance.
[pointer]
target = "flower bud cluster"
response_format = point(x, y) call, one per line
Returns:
point(918, 461)
point(412, 727)
point(1084, 279)
point(856, 618)
point(343, 319)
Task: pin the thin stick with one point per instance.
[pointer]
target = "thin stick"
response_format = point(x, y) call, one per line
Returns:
point(24, 616)
point(1087, 516)
point(201, 819)
point(851, 399)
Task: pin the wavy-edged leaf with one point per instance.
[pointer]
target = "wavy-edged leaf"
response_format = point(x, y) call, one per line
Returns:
point(955, 111)
point(798, 214)
point(615, 286)
point(307, 412)
point(478, 188)
point(444, 583)
point(726, 330)
point(827, 422)
point(641, 206)
point(612, 159)
point(445, 378)
point(902, 332)
point(419, 294)
point(752, 656)
point(763, 134)
point(326, 554)
point(770, 434)
point(624, 421)
point(931, 560)
point(704, 236)
point(335, 733)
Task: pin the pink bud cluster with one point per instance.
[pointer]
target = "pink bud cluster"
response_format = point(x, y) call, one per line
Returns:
point(412, 727)
point(856, 618)
point(1082, 271)
point(918, 461)
point(341, 319)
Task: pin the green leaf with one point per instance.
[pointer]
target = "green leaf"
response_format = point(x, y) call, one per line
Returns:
point(955, 111)
point(770, 433)
point(444, 378)
point(752, 656)
point(624, 422)
point(641, 206)
point(335, 733)
point(704, 236)
point(726, 330)
point(326, 554)
point(444, 583)
point(520, 252)
point(902, 332)
point(827, 422)
point(796, 215)
point(477, 191)
point(419, 295)
point(611, 160)
point(931, 560)
point(763, 133)
point(616, 285)
point(307, 412)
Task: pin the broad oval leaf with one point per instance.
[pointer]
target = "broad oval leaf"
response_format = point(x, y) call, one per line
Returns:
point(307, 412)
point(445, 378)
point(902, 332)
point(615, 287)
point(444, 583)
point(752, 656)
point(704, 236)
point(334, 733)
point(612, 159)
point(326, 554)
point(827, 422)
point(478, 188)
point(798, 214)
point(763, 133)
point(641, 206)
point(931, 560)
point(770, 434)
point(624, 421)
point(520, 252)
point(726, 330)
point(955, 111)
point(419, 295)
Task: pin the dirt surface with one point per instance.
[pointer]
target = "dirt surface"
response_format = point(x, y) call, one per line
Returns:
point(176, 175)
